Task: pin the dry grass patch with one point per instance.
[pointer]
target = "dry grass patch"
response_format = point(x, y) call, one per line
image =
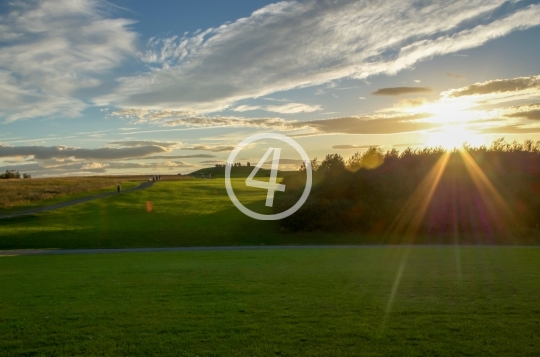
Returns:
point(15, 192)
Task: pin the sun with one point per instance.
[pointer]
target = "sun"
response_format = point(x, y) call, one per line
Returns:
point(453, 137)
point(454, 118)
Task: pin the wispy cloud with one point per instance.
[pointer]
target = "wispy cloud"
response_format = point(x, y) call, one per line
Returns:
point(150, 116)
point(293, 44)
point(213, 148)
point(369, 124)
point(64, 152)
point(139, 143)
point(173, 157)
point(289, 108)
point(53, 48)
point(402, 90)
point(498, 86)
point(531, 114)
point(269, 123)
point(378, 124)
point(86, 168)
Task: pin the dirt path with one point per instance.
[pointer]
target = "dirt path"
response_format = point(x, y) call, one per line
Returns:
point(74, 202)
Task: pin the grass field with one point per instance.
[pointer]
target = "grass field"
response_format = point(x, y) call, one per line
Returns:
point(173, 213)
point(20, 194)
point(192, 212)
point(470, 301)
point(372, 301)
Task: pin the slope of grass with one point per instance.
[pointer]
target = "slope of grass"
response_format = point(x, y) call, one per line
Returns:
point(176, 213)
point(470, 301)
point(180, 213)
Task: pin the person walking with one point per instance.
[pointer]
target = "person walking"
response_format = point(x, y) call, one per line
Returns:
point(118, 188)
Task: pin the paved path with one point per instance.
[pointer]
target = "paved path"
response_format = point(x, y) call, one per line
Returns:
point(16, 252)
point(174, 249)
point(74, 202)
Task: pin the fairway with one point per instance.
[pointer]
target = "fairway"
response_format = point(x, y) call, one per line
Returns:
point(447, 301)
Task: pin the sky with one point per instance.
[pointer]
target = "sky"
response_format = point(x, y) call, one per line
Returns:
point(95, 87)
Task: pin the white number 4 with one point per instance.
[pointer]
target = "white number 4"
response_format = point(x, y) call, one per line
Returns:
point(271, 185)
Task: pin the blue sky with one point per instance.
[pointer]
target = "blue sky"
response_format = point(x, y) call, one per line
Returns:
point(95, 87)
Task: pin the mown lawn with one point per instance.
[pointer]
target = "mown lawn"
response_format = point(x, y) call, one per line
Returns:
point(471, 301)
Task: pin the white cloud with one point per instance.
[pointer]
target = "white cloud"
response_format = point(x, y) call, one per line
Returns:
point(65, 152)
point(53, 48)
point(93, 165)
point(498, 87)
point(139, 143)
point(86, 168)
point(369, 124)
point(294, 44)
point(494, 93)
point(289, 108)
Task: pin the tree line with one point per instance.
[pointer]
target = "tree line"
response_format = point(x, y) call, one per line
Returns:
point(13, 174)
point(486, 193)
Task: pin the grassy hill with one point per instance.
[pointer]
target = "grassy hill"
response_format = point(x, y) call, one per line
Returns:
point(170, 213)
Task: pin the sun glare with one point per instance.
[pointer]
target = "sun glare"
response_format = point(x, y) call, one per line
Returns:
point(450, 111)
point(455, 117)
point(452, 137)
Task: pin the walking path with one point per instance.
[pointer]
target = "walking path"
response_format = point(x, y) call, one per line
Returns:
point(16, 252)
point(74, 202)
point(171, 249)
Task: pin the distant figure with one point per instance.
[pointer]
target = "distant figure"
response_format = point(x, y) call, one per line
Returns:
point(118, 188)
point(202, 176)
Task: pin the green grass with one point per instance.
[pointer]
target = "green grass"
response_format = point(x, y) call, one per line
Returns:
point(175, 213)
point(470, 301)
point(195, 212)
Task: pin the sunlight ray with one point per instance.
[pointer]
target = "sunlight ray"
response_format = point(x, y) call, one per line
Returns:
point(410, 217)
point(485, 188)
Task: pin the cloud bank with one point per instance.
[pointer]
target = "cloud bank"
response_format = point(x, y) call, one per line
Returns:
point(64, 152)
point(294, 44)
